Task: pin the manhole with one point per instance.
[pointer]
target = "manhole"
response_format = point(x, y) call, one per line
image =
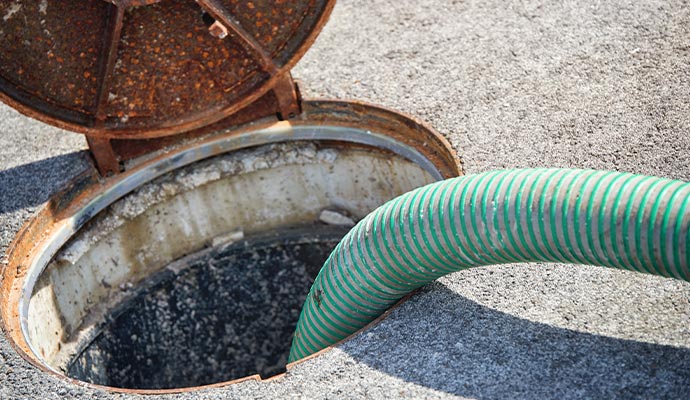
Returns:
point(196, 273)
point(183, 257)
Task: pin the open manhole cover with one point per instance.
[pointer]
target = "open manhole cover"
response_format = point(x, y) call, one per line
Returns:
point(184, 257)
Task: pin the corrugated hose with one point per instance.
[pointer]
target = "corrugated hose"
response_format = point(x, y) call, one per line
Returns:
point(611, 219)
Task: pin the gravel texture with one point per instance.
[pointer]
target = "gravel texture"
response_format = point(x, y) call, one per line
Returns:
point(587, 84)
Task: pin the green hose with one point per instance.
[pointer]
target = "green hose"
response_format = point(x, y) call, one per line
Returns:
point(611, 219)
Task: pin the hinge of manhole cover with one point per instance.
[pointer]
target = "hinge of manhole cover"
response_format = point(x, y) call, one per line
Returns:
point(283, 102)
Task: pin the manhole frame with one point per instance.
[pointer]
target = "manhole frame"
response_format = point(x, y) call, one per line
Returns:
point(39, 239)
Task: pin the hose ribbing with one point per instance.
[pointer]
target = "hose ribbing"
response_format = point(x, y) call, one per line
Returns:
point(589, 217)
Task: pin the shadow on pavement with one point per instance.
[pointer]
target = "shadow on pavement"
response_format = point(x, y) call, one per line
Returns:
point(31, 184)
point(482, 353)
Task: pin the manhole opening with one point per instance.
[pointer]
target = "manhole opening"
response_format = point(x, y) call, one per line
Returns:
point(198, 276)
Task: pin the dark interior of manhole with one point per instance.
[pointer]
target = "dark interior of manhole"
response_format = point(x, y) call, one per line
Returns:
point(223, 313)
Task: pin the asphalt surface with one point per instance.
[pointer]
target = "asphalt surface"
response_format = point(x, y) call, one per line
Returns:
point(587, 83)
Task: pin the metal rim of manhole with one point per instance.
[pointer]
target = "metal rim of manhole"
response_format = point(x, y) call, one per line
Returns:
point(371, 129)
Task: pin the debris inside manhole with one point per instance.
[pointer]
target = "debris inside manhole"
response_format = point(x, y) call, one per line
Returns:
point(221, 314)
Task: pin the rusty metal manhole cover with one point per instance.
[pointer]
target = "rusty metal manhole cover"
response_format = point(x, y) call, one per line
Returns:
point(148, 68)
